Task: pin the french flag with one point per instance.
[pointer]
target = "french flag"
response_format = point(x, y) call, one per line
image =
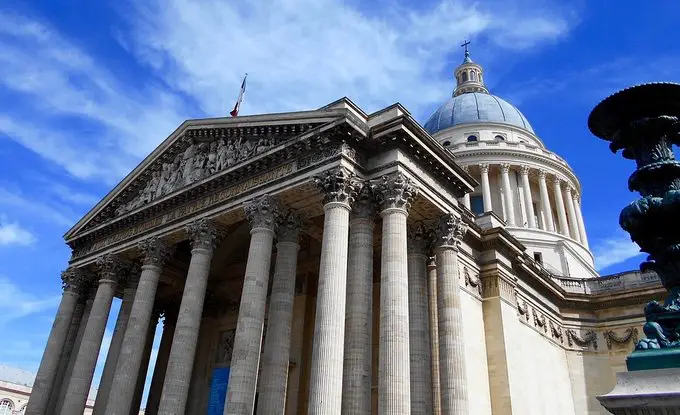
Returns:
point(234, 112)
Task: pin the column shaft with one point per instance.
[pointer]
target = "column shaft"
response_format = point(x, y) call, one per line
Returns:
point(531, 220)
point(571, 213)
point(132, 347)
point(356, 381)
point(276, 358)
point(434, 335)
point(109, 371)
point(143, 368)
point(70, 348)
point(581, 225)
point(466, 200)
point(83, 370)
point(454, 396)
point(559, 205)
point(419, 327)
point(486, 189)
point(49, 365)
point(161, 366)
point(507, 194)
point(180, 362)
point(545, 202)
point(325, 392)
point(245, 359)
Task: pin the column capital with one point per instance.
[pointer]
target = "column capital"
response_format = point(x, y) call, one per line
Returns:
point(338, 185)
point(450, 231)
point(568, 188)
point(524, 170)
point(262, 212)
point(505, 167)
point(394, 191)
point(557, 182)
point(289, 226)
point(418, 239)
point(111, 267)
point(75, 280)
point(542, 174)
point(154, 251)
point(130, 275)
point(484, 167)
point(364, 205)
point(203, 234)
point(466, 169)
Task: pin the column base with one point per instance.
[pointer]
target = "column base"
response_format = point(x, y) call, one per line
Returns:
point(651, 391)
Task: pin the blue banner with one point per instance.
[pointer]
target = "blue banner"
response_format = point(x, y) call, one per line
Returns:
point(218, 391)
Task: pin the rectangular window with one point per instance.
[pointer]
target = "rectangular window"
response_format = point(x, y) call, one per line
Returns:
point(538, 257)
point(477, 204)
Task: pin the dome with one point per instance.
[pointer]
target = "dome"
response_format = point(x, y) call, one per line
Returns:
point(476, 107)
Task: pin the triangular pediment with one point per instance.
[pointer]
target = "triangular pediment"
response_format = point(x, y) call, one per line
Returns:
point(200, 149)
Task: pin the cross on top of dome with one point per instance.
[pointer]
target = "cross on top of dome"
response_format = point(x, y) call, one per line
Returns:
point(469, 75)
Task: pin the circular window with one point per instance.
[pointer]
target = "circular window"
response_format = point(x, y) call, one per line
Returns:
point(6, 407)
point(472, 138)
point(500, 137)
point(446, 143)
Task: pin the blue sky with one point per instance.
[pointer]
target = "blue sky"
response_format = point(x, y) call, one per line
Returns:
point(87, 89)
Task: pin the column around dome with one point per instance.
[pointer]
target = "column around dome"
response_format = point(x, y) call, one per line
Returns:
point(507, 194)
point(571, 213)
point(531, 220)
point(486, 191)
point(545, 202)
point(559, 205)
point(579, 217)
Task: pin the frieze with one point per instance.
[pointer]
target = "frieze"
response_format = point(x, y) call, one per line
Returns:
point(629, 334)
point(473, 282)
point(589, 338)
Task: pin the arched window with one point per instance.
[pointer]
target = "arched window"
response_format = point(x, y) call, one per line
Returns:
point(446, 143)
point(499, 137)
point(6, 407)
point(473, 75)
point(472, 138)
point(465, 76)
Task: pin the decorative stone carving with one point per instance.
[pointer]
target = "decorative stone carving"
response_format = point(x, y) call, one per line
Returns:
point(111, 267)
point(556, 331)
point(289, 226)
point(338, 185)
point(418, 239)
point(472, 282)
point(540, 321)
point(505, 168)
point(523, 309)
point(154, 251)
point(484, 168)
point(262, 212)
point(542, 174)
point(631, 334)
point(524, 170)
point(394, 191)
point(364, 205)
point(451, 230)
point(225, 346)
point(589, 338)
point(75, 280)
point(203, 234)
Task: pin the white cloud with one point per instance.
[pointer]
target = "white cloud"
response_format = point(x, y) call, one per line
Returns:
point(615, 250)
point(11, 233)
point(20, 303)
point(15, 200)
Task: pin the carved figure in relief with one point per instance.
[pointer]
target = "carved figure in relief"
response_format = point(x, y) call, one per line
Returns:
point(162, 180)
point(175, 175)
point(149, 191)
point(246, 149)
point(188, 163)
point(231, 154)
point(221, 156)
point(212, 158)
point(199, 163)
point(262, 145)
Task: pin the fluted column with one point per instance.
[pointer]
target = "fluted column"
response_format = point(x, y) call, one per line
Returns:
point(204, 238)
point(104, 390)
point(419, 324)
point(394, 194)
point(339, 187)
point(579, 217)
point(571, 213)
point(72, 281)
point(507, 194)
point(434, 335)
point(276, 358)
point(545, 202)
point(169, 322)
point(144, 365)
point(110, 270)
point(528, 199)
point(454, 396)
point(356, 380)
point(262, 215)
point(154, 252)
point(559, 202)
point(486, 189)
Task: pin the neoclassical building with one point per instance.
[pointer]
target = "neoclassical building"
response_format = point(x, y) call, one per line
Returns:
point(338, 262)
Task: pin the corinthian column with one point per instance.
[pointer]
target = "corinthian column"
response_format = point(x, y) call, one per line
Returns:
point(49, 365)
point(109, 371)
point(545, 202)
point(340, 188)
point(434, 335)
point(454, 397)
point(154, 253)
point(394, 194)
point(276, 358)
point(559, 202)
point(110, 269)
point(245, 361)
point(486, 190)
point(507, 194)
point(531, 220)
point(204, 237)
point(419, 327)
point(356, 380)
point(571, 212)
point(579, 217)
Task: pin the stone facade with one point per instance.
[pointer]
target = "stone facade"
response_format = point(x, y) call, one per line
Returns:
point(322, 259)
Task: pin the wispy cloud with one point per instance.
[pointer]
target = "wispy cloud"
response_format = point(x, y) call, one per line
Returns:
point(11, 233)
point(15, 200)
point(23, 303)
point(615, 250)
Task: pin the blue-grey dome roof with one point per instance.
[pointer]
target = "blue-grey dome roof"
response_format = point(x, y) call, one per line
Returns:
point(475, 107)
